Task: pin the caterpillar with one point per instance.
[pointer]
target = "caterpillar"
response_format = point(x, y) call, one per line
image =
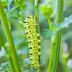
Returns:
point(30, 28)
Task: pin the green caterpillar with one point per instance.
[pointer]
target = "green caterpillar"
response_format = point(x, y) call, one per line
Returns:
point(30, 27)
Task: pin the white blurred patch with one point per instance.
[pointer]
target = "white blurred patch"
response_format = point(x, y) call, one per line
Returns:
point(27, 61)
point(65, 48)
point(69, 63)
point(2, 52)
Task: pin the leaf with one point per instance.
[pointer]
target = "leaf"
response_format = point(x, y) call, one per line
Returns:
point(64, 24)
point(57, 27)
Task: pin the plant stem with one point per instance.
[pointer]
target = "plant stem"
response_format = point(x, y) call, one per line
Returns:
point(15, 9)
point(50, 23)
point(57, 40)
point(8, 34)
point(36, 7)
point(38, 70)
point(11, 64)
point(2, 42)
point(37, 15)
point(9, 59)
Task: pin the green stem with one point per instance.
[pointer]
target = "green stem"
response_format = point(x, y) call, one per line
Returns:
point(15, 9)
point(36, 7)
point(53, 63)
point(11, 64)
point(7, 52)
point(37, 15)
point(51, 58)
point(8, 34)
point(38, 70)
point(50, 23)
point(9, 59)
point(59, 16)
point(56, 52)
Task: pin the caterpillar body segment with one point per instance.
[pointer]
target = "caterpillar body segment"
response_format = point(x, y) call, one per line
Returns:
point(30, 28)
